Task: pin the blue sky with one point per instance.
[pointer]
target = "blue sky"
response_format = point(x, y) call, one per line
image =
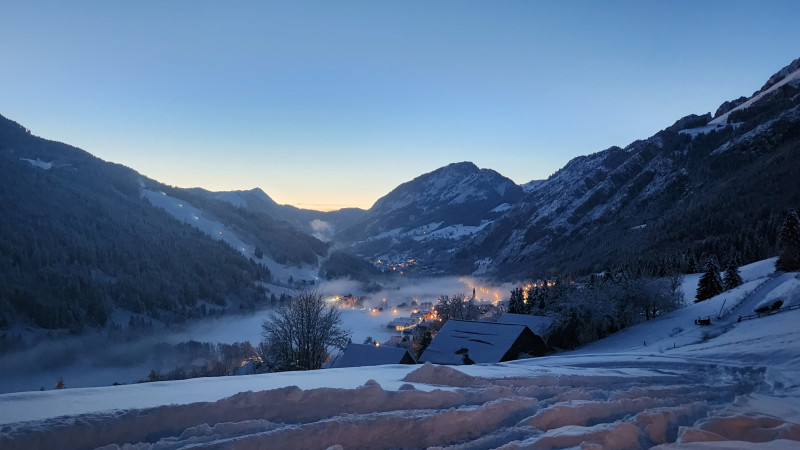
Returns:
point(332, 104)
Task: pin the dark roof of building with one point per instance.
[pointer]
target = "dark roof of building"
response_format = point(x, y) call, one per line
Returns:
point(486, 342)
point(540, 325)
point(357, 355)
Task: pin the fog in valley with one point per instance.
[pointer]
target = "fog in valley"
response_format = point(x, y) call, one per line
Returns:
point(128, 354)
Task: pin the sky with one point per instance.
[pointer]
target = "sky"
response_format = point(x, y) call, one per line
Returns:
point(325, 105)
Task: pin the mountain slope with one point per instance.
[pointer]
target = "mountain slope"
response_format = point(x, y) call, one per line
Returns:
point(692, 190)
point(277, 239)
point(432, 212)
point(79, 242)
point(320, 224)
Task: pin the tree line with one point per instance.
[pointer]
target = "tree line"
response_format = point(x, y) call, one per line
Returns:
point(584, 312)
point(78, 241)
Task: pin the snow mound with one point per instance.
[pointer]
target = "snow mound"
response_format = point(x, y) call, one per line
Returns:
point(442, 376)
point(617, 436)
point(747, 428)
point(787, 294)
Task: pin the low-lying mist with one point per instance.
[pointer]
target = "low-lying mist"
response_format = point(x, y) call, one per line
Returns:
point(127, 355)
point(405, 290)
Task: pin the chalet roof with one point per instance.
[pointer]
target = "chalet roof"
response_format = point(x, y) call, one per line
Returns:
point(357, 355)
point(402, 322)
point(487, 342)
point(540, 325)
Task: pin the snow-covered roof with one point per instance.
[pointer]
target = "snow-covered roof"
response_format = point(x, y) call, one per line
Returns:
point(357, 355)
point(540, 325)
point(402, 322)
point(486, 342)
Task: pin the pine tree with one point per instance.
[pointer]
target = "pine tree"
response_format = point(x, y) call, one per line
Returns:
point(535, 300)
point(710, 282)
point(789, 244)
point(732, 279)
point(516, 304)
point(691, 267)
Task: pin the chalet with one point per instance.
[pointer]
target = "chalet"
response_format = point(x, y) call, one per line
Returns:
point(540, 325)
point(467, 342)
point(401, 341)
point(426, 306)
point(357, 355)
point(401, 323)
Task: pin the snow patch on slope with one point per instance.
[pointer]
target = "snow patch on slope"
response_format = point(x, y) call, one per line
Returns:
point(693, 132)
point(787, 293)
point(234, 198)
point(723, 119)
point(454, 231)
point(39, 163)
point(432, 231)
point(501, 207)
point(187, 213)
point(793, 114)
point(531, 185)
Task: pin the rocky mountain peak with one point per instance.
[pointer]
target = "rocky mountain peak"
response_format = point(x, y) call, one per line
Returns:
point(780, 75)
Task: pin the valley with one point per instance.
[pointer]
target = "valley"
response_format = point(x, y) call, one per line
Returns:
point(731, 386)
point(662, 278)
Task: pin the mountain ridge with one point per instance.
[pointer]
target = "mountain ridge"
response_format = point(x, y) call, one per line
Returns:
point(644, 185)
point(701, 187)
point(424, 216)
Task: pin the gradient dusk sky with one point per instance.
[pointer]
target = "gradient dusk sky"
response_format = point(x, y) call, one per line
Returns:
point(331, 104)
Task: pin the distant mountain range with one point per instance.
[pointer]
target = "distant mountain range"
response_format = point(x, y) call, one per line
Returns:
point(82, 238)
point(704, 186)
point(701, 187)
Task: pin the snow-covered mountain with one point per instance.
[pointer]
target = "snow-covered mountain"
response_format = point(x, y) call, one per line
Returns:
point(702, 186)
point(699, 187)
point(789, 74)
point(435, 210)
point(83, 239)
point(320, 224)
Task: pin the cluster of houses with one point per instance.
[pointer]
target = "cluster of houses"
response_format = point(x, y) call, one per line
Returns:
point(511, 337)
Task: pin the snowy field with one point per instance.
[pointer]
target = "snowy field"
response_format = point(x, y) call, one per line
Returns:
point(667, 383)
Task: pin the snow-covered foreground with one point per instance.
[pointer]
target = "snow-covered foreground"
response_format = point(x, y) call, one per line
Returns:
point(667, 382)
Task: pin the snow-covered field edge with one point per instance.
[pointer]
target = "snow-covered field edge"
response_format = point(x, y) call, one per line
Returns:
point(664, 382)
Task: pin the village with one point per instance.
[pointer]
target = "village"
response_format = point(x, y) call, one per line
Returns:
point(428, 332)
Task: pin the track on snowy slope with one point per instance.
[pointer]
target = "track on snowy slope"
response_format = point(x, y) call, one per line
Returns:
point(629, 404)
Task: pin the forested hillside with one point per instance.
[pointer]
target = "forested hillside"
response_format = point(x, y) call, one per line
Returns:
point(78, 241)
point(277, 239)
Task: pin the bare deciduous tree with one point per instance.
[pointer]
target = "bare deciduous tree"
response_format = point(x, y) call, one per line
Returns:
point(456, 307)
point(297, 336)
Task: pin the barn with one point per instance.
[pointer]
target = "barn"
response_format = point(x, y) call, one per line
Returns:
point(468, 342)
point(357, 355)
